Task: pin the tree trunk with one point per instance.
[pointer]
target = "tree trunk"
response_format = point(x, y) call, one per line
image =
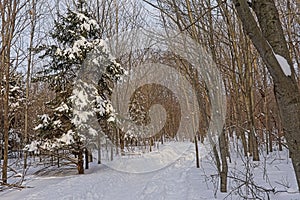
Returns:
point(57, 158)
point(122, 143)
point(197, 152)
point(80, 167)
point(8, 12)
point(99, 148)
point(1, 112)
point(237, 65)
point(224, 169)
point(91, 159)
point(268, 132)
point(86, 156)
point(112, 152)
point(6, 121)
point(28, 74)
point(269, 39)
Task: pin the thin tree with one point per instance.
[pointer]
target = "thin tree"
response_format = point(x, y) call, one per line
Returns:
point(8, 12)
point(32, 14)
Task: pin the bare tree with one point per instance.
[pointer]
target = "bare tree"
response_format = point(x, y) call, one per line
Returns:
point(269, 40)
point(32, 13)
point(8, 12)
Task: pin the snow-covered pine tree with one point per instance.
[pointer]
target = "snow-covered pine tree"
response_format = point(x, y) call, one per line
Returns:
point(76, 34)
point(16, 103)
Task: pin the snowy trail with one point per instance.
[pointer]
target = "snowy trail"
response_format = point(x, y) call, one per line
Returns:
point(170, 182)
point(179, 180)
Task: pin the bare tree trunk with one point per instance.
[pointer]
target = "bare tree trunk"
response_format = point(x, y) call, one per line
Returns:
point(86, 154)
point(117, 140)
point(197, 151)
point(112, 152)
point(234, 36)
point(268, 129)
point(224, 169)
point(8, 12)
point(28, 74)
point(80, 167)
point(1, 104)
point(99, 148)
point(6, 117)
point(122, 143)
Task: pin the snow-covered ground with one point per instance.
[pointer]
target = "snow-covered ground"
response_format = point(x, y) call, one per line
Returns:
point(167, 173)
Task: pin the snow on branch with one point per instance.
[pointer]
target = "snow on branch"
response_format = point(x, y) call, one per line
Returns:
point(286, 68)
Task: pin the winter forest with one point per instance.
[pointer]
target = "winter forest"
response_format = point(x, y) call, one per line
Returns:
point(150, 99)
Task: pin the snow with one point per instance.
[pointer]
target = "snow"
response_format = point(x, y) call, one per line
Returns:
point(111, 119)
point(167, 173)
point(81, 16)
point(63, 107)
point(87, 22)
point(83, 98)
point(67, 138)
point(104, 107)
point(284, 65)
point(292, 190)
point(92, 131)
point(18, 175)
point(77, 48)
point(15, 88)
point(58, 52)
point(40, 126)
point(45, 122)
point(14, 105)
point(80, 117)
point(46, 145)
point(84, 18)
point(45, 118)
point(32, 147)
point(154, 161)
point(57, 123)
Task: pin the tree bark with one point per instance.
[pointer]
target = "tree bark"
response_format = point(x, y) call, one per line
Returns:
point(269, 39)
point(224, 169)
point(86, 153)
point(99, 148)
point(8, 12)
point(80, 167)
point(197, 152)
point(28, 74)
point(1, 110)
point(6, 117)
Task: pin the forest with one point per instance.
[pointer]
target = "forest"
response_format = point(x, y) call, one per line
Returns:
point(85, 84)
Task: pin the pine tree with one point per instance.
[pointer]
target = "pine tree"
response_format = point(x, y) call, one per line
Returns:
point(76, 35)
point(16, 103)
